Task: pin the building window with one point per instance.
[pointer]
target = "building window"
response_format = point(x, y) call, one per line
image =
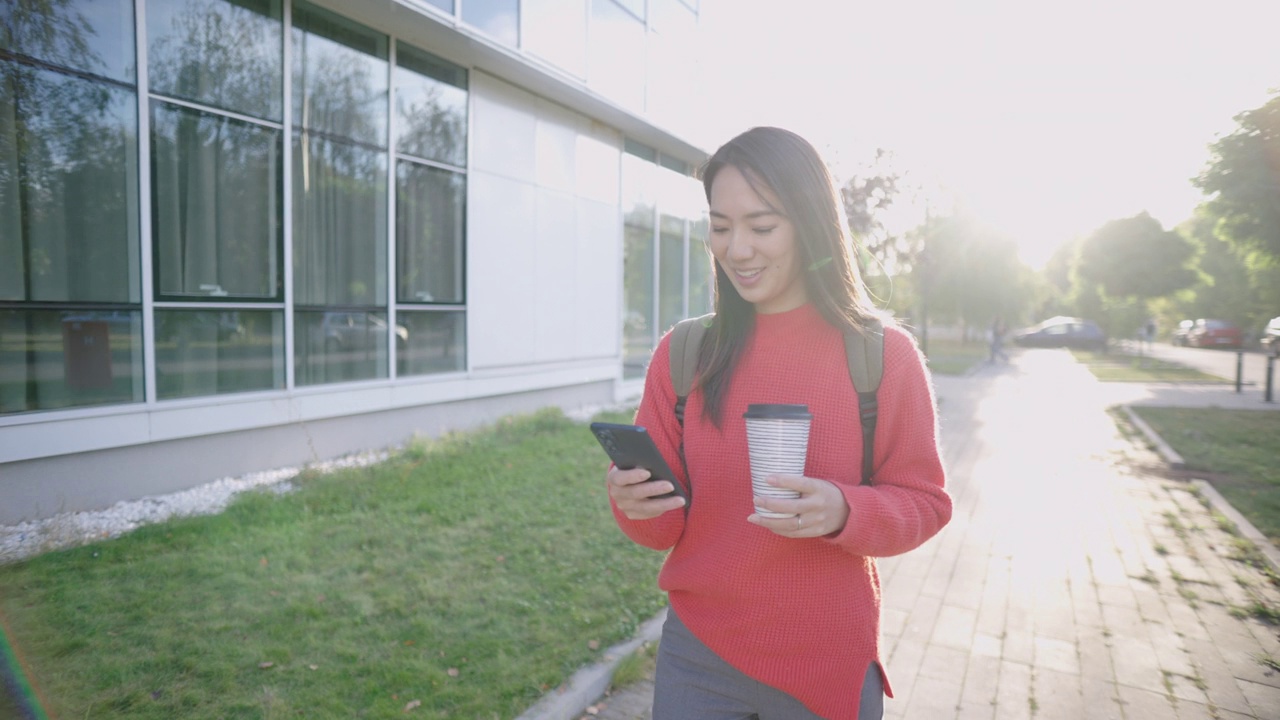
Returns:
point(431, 107)
point(70, 285)
point(221, 54)
point(666, 265)
point(616, 63)
point(431, 181)
point(701, 274)
point(499, 19)
point(209, 352)
point(215, 205)
point(340, 116)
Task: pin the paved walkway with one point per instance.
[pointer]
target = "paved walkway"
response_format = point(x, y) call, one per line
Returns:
point(1069, 584)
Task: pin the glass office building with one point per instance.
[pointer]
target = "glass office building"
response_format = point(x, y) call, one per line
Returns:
point(245, 234)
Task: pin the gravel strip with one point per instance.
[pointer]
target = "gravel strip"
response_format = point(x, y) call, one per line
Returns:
point(30, 538)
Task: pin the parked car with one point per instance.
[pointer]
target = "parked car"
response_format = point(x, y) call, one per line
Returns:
point(1180, 334)
point(1210, 332)
point(1271, 337)
point(1063, 332)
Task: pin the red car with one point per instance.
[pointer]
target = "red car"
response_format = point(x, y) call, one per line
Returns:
point(1215, 333)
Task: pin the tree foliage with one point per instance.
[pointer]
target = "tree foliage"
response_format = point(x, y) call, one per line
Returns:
point(1242, 181)
point(865, 199)
point(1136, 258)
point(970, 273)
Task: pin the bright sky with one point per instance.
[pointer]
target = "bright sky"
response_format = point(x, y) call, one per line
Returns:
point(1047, 118)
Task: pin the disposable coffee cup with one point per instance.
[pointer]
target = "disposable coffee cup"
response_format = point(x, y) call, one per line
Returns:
point(778, 444)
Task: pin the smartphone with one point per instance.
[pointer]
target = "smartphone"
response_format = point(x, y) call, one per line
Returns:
point(629, 446)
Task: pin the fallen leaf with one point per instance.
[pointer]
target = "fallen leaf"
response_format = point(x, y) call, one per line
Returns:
point(412, 704)
point(593, 710)
point(408, 642)
point(502, 558)
point(314, 667)
point(263, 562)
point(265, 665)
point(593, 644)
point(453, 672)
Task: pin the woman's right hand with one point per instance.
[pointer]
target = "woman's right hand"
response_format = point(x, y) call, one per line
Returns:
point(634, 495)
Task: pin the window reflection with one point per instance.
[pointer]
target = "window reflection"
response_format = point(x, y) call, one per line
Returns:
point(434, 342)
point(499, 19)
point(216, 192)
point(92, 36)
point(701, 276)
point(212, 352)
point(431, 107)
point(51, 359)
point(429, 234)
point(223, 53)
point(68, 179)
point(671, 254)
point(339, 76)
point(339, 222)
point(341, 345)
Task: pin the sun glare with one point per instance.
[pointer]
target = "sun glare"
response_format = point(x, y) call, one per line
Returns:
point(1046, 121)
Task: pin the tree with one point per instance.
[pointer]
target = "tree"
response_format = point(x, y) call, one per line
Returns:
point(1242, 181)
point(1136, 258)
point(969, 272)
point(865, 199)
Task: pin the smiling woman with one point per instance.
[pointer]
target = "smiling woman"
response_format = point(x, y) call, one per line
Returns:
point(736, 641)
point(755, 243)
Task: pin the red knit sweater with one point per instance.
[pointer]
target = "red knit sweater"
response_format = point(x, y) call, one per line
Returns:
point(801, 615)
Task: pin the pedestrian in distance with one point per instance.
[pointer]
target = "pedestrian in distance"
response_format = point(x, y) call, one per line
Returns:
point(775, 603)
point(996, 339)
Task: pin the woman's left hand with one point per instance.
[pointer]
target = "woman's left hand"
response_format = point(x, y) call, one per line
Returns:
point(820, 510)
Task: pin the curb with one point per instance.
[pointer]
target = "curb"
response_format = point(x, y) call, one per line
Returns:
point(589, 684)
point(1171, 457)
point(1210, 493)
point(1245, 527)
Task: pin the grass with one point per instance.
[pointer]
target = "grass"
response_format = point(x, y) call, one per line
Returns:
point(953, 357)
point(1237, 447)
point(635, 667)
point(1116, 367)
point(470, 575)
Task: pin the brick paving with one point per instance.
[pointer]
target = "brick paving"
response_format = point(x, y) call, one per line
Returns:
point(1071, 583)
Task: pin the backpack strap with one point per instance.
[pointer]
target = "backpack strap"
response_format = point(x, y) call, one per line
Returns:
point(864, 352)
point(686, 338)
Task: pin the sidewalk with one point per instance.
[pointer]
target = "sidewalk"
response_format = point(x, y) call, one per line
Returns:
point(1068, 584)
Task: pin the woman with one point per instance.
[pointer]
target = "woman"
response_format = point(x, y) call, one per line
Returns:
point(779, 618)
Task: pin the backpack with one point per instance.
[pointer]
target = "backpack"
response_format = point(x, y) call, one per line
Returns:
point(863, 351)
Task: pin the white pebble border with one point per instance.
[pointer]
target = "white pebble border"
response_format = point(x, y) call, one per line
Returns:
point(30, 538)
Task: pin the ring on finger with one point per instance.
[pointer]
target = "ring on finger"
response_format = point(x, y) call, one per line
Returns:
point(799, 522)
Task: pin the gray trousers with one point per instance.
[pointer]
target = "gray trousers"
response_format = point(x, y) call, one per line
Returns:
point(693, 683)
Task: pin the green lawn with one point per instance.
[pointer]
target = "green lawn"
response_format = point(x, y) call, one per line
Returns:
point(470, 575)
point(1118, 367)
point(953, 357)
point(1239, 448)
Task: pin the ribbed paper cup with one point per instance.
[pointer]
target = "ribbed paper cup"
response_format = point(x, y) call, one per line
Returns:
point(778, 444)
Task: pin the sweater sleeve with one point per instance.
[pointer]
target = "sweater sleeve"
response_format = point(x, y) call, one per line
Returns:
point(657, 414)
point(906, 502)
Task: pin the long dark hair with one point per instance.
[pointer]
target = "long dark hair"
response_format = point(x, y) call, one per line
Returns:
point(789, 167)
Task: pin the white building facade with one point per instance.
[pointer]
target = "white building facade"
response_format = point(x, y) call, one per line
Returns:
point(245, 234)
